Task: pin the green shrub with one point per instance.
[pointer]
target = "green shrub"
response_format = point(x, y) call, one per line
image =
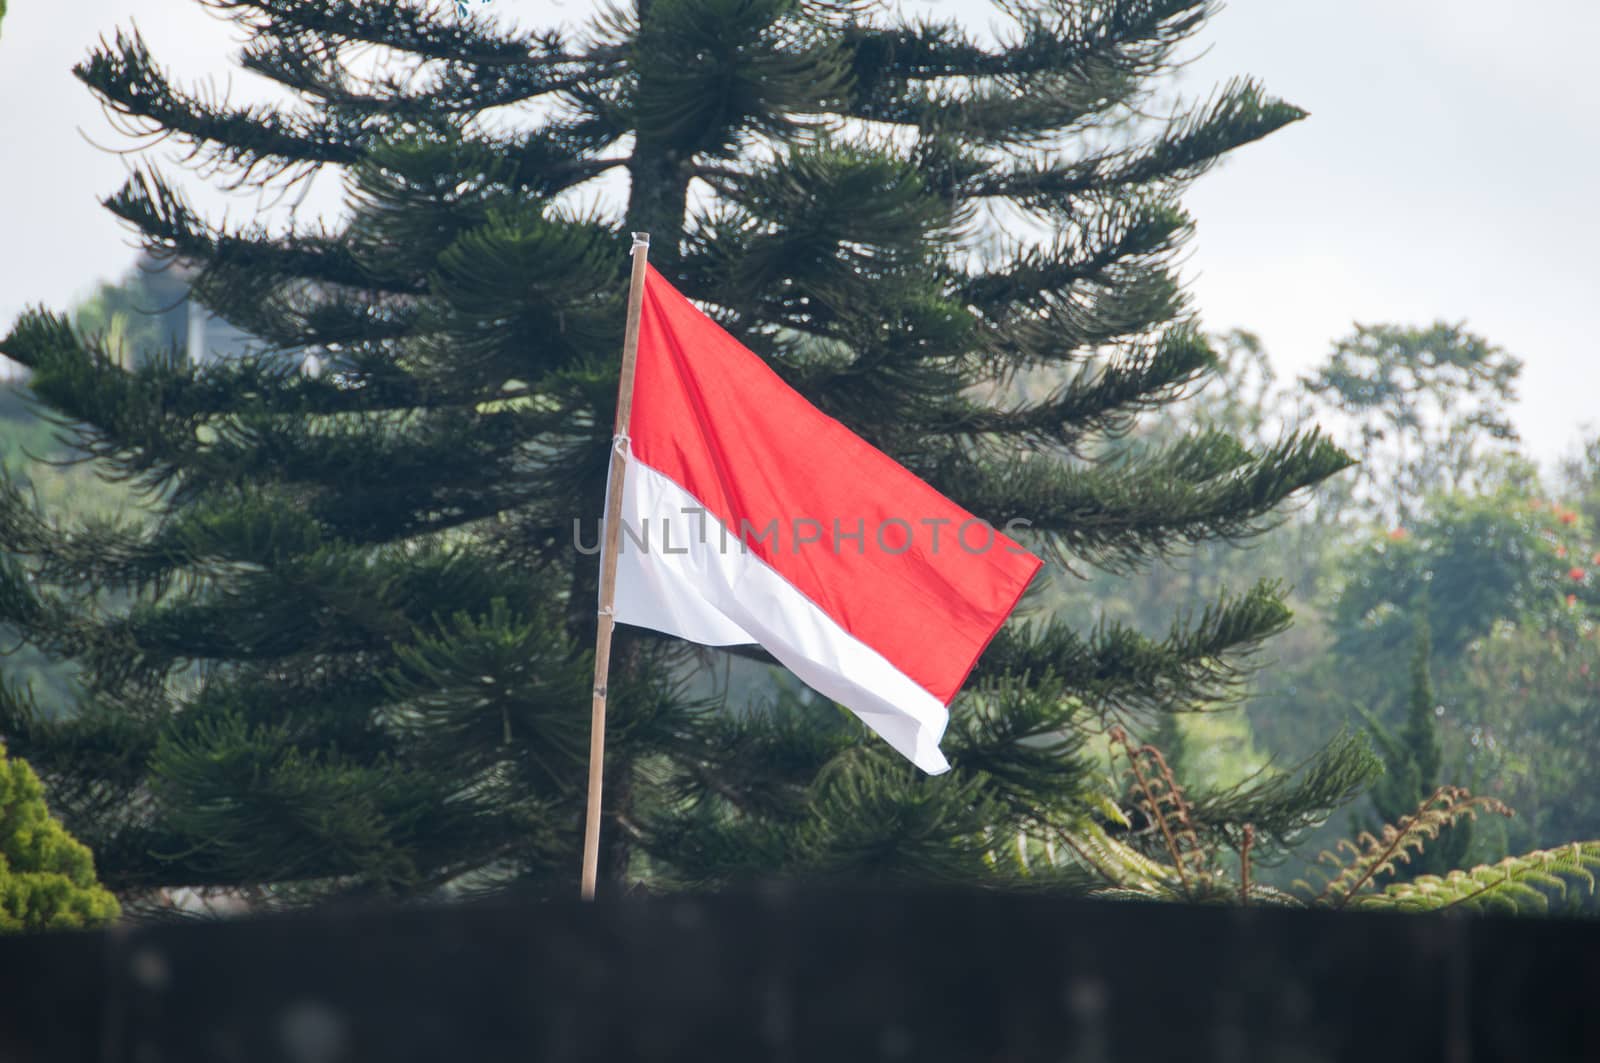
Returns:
point(46, 876)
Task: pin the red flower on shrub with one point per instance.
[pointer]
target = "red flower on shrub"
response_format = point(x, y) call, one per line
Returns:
point(1398, 535)
point(1572, 599)
point(1575, 573)
point(1566, 516)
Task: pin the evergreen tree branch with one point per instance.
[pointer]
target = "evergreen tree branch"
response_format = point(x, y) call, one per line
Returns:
point(249, 140)
point(404, 26)
point(171, 227)
point(1191, 143)
point(1118, 514)
point(301, 62)
point(1101, 402)
point(1122, 41)
point(1101, 247)
point(1280, 806)
point(1118, 671)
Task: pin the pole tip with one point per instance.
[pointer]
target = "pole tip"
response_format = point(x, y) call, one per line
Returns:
point(641, 240)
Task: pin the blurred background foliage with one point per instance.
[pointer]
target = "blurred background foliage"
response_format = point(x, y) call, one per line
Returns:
point(1447, 529)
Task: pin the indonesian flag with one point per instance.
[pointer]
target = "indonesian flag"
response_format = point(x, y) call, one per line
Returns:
point(749, 516)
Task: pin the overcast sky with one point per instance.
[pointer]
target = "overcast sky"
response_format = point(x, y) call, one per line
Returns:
point(1448, 170)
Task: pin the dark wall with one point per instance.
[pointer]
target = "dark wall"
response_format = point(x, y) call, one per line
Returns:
point(791, 976)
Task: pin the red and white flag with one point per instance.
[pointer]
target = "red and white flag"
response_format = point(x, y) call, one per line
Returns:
point(749, 516)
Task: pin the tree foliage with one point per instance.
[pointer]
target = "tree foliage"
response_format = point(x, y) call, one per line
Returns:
point(1507, 582)
point(46, 877)
point(1413, 762)
point(1430, 408)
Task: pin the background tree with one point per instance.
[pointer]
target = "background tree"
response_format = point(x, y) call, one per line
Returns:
point(1428, 407)
point(1501, 575)
point(37, 460)
point(1505, 583)
point(1578, 481)
point(1244, 398)
point(1424, 407)
point(354, 651)
point(1466, 563)
point(1529, 705)
point(143, 313)
point(1413, 763)
point(46, 877)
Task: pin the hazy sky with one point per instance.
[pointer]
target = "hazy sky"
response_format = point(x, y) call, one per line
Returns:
point(1447, 171)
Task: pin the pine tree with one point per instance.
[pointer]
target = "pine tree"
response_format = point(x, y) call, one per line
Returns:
point(356, 654)
point(1413, 766)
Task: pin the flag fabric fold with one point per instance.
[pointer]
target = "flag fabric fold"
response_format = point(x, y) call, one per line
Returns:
point(749, 516)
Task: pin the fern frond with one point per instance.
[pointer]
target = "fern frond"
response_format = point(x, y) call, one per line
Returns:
point(1370, 856)
point(1163, 801)
point(1122, 893)
point(1516, 884)
point(1121, 865)
point(1261, 893)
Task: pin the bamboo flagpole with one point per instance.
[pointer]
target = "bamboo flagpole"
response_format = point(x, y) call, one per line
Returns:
point(608, 566)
